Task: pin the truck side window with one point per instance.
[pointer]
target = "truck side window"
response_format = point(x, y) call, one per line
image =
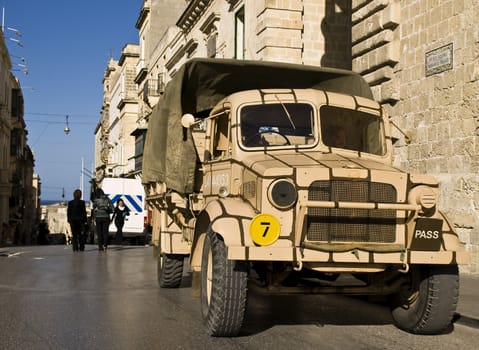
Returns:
point(221, 137)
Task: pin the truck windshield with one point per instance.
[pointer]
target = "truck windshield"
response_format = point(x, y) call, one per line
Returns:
point(278, 124)
point(352, 130)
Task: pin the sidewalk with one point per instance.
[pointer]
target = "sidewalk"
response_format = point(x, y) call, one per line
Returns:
point(467, 312)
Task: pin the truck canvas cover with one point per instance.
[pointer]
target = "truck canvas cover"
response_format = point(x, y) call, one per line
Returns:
point(169, 155)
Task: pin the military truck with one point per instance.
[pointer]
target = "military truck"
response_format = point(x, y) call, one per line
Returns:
point(279, 177)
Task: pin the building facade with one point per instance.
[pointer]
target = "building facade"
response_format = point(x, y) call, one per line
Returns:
point(18, 194)
point(115, 146)
point(5, 185)
point(420, 58)
point(102, 129)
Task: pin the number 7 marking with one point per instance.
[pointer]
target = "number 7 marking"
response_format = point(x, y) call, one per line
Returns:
point(266, 229)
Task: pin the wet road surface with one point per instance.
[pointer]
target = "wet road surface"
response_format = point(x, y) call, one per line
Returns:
point(52, 298)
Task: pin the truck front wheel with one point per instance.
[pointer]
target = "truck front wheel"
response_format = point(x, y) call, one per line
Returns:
point(170, 270)
point(223, 288)
point(427, 302)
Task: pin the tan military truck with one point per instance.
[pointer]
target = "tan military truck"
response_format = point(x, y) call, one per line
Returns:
point(279, 177)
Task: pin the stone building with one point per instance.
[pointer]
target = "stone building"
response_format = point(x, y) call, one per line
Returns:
point(18, 201)
point(308, 32)
point(5, 186)
point(115, 147)
point(103, 127)
point(23, 205)
point(124, 117)
point(420, 58)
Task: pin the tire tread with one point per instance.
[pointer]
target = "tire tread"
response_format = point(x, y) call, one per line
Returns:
point(170, 272)
point(228, 297)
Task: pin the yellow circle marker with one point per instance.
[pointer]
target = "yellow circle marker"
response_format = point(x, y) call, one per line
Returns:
point(264, 229)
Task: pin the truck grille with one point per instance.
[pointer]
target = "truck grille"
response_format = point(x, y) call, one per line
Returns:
point(351, 225)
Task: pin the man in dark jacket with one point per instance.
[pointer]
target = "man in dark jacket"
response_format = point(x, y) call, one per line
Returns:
point(102, 207)
point(76, 215)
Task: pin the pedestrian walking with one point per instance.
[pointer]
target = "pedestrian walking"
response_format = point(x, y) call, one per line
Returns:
point(76, 216)
point(119, 216)
point(102, 208)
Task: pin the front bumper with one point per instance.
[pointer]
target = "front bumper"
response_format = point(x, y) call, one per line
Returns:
point(354, 256)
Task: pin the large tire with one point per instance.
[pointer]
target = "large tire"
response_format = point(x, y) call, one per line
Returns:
point(426, 304)
point(170, 270)
point(223, 289)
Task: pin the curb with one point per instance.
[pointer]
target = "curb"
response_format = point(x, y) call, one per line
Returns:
point(466, 321)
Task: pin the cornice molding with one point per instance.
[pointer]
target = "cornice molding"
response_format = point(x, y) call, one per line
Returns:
point(192, 14)
point(145, 11)
point(209, 23)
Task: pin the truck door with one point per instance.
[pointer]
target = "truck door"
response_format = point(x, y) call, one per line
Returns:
point(218, 156)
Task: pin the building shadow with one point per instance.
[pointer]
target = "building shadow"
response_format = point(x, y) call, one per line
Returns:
point(336, 28)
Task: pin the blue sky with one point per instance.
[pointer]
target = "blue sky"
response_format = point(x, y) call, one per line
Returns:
point(66, 46)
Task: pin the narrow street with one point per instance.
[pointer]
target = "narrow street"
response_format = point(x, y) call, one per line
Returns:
point(51, 298)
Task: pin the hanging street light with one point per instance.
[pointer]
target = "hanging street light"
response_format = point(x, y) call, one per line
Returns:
point(67, 129)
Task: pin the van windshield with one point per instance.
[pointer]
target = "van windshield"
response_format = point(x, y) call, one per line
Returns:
point(352, 130)
point(278, 124)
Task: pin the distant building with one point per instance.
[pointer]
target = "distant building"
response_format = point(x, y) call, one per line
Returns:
point(115, 147)
point(119, 135)
point(420, 58)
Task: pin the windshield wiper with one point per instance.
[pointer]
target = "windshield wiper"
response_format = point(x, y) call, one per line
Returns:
point(286, 111)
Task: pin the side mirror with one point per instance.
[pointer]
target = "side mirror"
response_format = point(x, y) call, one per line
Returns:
point(407, 135)
point(187, 120)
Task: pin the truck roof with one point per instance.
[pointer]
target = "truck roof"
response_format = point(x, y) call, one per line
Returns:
point(169, 155)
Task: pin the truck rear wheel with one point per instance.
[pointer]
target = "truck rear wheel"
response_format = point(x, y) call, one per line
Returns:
point(170, 270)
point(426, 304)
point(223, 289)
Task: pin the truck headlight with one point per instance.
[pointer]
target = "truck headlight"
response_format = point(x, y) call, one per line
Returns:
point(282, 193)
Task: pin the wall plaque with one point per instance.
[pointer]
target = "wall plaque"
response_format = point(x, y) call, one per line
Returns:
point(439, 60)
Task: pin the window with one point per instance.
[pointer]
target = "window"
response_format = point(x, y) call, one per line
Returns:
point(17, 103)
point(142, 49)
point(279, 124)
point(352, 130)
point(139, 145)
point(239, 34)
point(15, 142)
point(221, 138)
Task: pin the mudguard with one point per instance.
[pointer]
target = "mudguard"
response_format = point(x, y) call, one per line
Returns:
point(433, 240)
point(228, 217)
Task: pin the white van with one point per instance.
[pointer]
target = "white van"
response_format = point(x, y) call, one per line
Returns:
point(133, 195)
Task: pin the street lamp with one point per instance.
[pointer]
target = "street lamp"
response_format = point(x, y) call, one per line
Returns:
point(17, 32)
point(67, 129)
point(23, 59)
point(19, 43)
point(23, 65)
point(23, 70)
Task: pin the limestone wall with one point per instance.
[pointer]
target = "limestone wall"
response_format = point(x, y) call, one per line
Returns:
point(422, 59)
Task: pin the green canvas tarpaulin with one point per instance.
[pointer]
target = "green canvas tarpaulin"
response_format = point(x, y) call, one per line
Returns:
point(199, 85)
